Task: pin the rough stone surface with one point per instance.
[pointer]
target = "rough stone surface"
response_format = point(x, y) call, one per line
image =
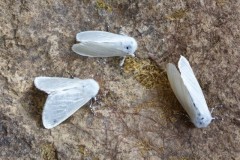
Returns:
point(137, 115)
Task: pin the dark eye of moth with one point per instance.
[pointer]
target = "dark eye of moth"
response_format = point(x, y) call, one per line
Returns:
point(127, 47)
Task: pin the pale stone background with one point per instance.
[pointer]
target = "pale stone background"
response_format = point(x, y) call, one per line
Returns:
point(137, 115)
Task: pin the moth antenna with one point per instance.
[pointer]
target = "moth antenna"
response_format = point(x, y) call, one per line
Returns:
point(218, 106)
point(218, 118)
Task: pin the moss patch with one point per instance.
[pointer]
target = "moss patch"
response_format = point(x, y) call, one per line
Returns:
point(221, 2)
point(146, 72)
point(179, 14)
point(48, 152)
point(101, 4)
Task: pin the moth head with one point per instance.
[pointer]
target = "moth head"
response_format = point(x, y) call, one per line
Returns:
point(202, 121)
point(130, 46)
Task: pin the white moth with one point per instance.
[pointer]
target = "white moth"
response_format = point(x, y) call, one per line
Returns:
point(189, 92)
point(65, 96)
point(104, 44)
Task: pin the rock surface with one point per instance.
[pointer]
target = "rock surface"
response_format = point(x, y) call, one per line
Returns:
point(137, 115)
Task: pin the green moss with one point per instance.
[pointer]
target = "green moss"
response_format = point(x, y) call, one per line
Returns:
point(81, 149)
point(221, 2)
point(48, 152)
point(179, 14)
point(101, 4)
point(86, 153)
point(146, 72)
point(179, 158)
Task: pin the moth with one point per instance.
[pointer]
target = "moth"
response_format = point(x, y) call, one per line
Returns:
point(104, 44)
point(65, 97)
point(189, 93)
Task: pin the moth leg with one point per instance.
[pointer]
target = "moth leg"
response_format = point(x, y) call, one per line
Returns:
point(91, 105)
point(122, 61)
point(218, 118)
point(183, 114)
point(107, 27)
point(70, 75)
point(212, 110)
point(121, 32)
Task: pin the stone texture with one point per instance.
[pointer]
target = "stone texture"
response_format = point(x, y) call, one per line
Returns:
point(137, 115)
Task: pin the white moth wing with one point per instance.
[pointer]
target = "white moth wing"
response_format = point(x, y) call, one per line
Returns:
point(95, 49)
point(50, 84)
point(203, 116)
point(99, 36)
point(62, 104)
point(192, 85)
point(180, 90)
point(200, 117)
point(65, 97)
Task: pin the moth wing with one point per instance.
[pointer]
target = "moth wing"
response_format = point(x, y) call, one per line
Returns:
point(98, 36)
point(192, 85)
point(93, 49)
point(61, 105)
point(180, 90)
point(50, 84)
